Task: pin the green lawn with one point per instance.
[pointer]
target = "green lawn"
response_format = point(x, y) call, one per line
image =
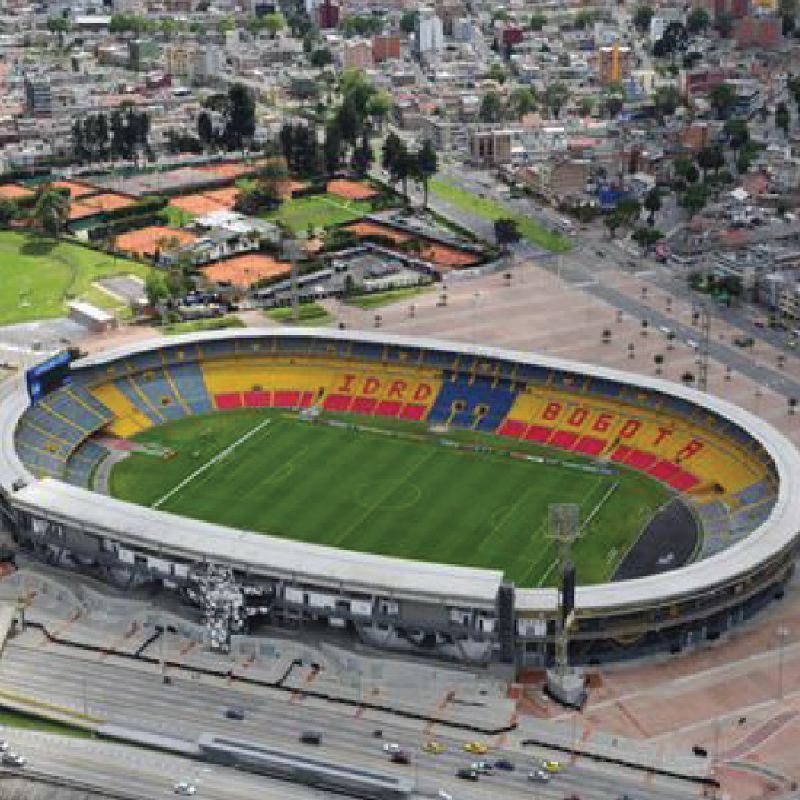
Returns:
point(390, 495)
point(15, 719)
point(38, 276)
point(319, 210)
point(488, 209)
point(378, 299)
point(175, 217)
point(307, 314)
point(197, 325)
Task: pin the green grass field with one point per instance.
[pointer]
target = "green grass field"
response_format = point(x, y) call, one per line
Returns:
point(378, 299)
point(307, 314)
point(39, 276)
point(319, 210)
point(395, 496)
point(488, 209)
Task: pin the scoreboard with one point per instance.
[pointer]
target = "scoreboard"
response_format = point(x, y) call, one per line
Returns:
point(48, 376)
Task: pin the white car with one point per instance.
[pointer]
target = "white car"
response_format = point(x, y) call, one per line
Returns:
point(185, 789)
point(391, 748)
point(13, 759)
point(538, 776)
point(3, 745)
point(443, 795)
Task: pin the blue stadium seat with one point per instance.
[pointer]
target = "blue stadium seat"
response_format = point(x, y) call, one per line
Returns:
point(483, 402)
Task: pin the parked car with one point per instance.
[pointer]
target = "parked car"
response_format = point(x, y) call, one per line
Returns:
point(185, 789)
point(400, 757)
point(311, 737)
point(467, 774)
point(234, 713)
point(504, 764)
point(13, 759)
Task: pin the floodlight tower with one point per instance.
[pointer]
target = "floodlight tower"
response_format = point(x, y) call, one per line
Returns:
point(565, 683)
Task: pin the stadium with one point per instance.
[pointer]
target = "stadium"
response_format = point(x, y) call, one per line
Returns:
point(398, 488)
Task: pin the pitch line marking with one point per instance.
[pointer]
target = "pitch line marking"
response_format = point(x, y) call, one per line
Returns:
point(370, 508)
point(211, 462)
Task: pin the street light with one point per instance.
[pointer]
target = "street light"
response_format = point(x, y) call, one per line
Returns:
point(782, 633)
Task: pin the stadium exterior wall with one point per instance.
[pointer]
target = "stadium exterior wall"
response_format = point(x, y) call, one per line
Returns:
point(454, 612)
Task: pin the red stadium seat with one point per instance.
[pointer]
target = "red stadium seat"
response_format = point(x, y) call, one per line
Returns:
point(388, 408)
point(590, 445)
point(228, 400)
point(538, 433)
point(286, 399)
point(363, 405)
point(256, 399)
point(565, 440)
point(683, 481)
point(337, 402)
point(413, 412)
point(640, 459)
point(664, 470)
point(511, 427)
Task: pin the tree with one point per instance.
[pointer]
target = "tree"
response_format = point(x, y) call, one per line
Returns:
point(408, 21)
point(51, 212)
point(694, 198)
point(320, 58)
point(362, 157)
point(555, 96)
point(427, 164)
point(495, 72)
point(666, 100)
point(492, 109)
point(506, 232)
point(652, 202)
point(9, 210)
point(240, 117)
point(642, 16)
point(332, 149)
point(782, 117)
point(59, 26)
point(155, 287)
point(724, 24)
point(274, 23)
point(628, 211)
point(710, 157)
point(723, 99)
point(658, 360)
point(613, 104)
point(698, 20)
point(673, 40)
point(205, 128)
point(538, 21)
point(612, 220)
point(737, 132)
point(521, 101)
point(646, 237)
point(378, 107)
point(585, 106)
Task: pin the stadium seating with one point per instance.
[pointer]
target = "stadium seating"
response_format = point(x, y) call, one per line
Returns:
point(688, 449)
point(82, 463)
point(636, 431)
point(56, 426)
point(472, 401)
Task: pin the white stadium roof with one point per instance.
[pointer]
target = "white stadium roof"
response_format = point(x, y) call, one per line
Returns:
point(157, 530)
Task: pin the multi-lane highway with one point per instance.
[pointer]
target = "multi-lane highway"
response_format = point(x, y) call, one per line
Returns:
point(138, 699)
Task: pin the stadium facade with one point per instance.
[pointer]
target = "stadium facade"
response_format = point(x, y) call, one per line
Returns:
point(738, 474)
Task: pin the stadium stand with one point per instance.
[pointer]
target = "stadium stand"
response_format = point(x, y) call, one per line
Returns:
point(56, 426)
point(83, 462)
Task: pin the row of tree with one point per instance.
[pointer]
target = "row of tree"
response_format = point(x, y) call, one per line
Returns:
point(124, 135)
point(402, 164)
point(237, 111)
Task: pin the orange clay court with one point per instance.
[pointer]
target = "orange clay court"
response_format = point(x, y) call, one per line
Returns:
point(245, 270)
point(351, 190)
point(441, 255)
point(145, 241)
point(204, 203)
point(89, 206)
point(12, 191)
point(76, 189)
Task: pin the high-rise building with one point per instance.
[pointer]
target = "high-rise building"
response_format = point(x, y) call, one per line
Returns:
point(429, 34)
point(38, 96)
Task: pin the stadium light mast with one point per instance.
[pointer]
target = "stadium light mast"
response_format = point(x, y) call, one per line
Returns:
point(705, 347)
point(291, 250)
point(565, 684)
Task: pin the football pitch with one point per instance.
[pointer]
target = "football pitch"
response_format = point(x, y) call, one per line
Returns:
point(396, 490)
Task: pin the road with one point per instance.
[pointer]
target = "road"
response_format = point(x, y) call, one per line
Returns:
point(139, 700)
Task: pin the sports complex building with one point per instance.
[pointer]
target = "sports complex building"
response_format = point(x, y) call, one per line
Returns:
point(718, 551)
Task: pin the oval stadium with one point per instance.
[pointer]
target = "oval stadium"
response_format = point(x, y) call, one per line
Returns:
point(400, 488)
